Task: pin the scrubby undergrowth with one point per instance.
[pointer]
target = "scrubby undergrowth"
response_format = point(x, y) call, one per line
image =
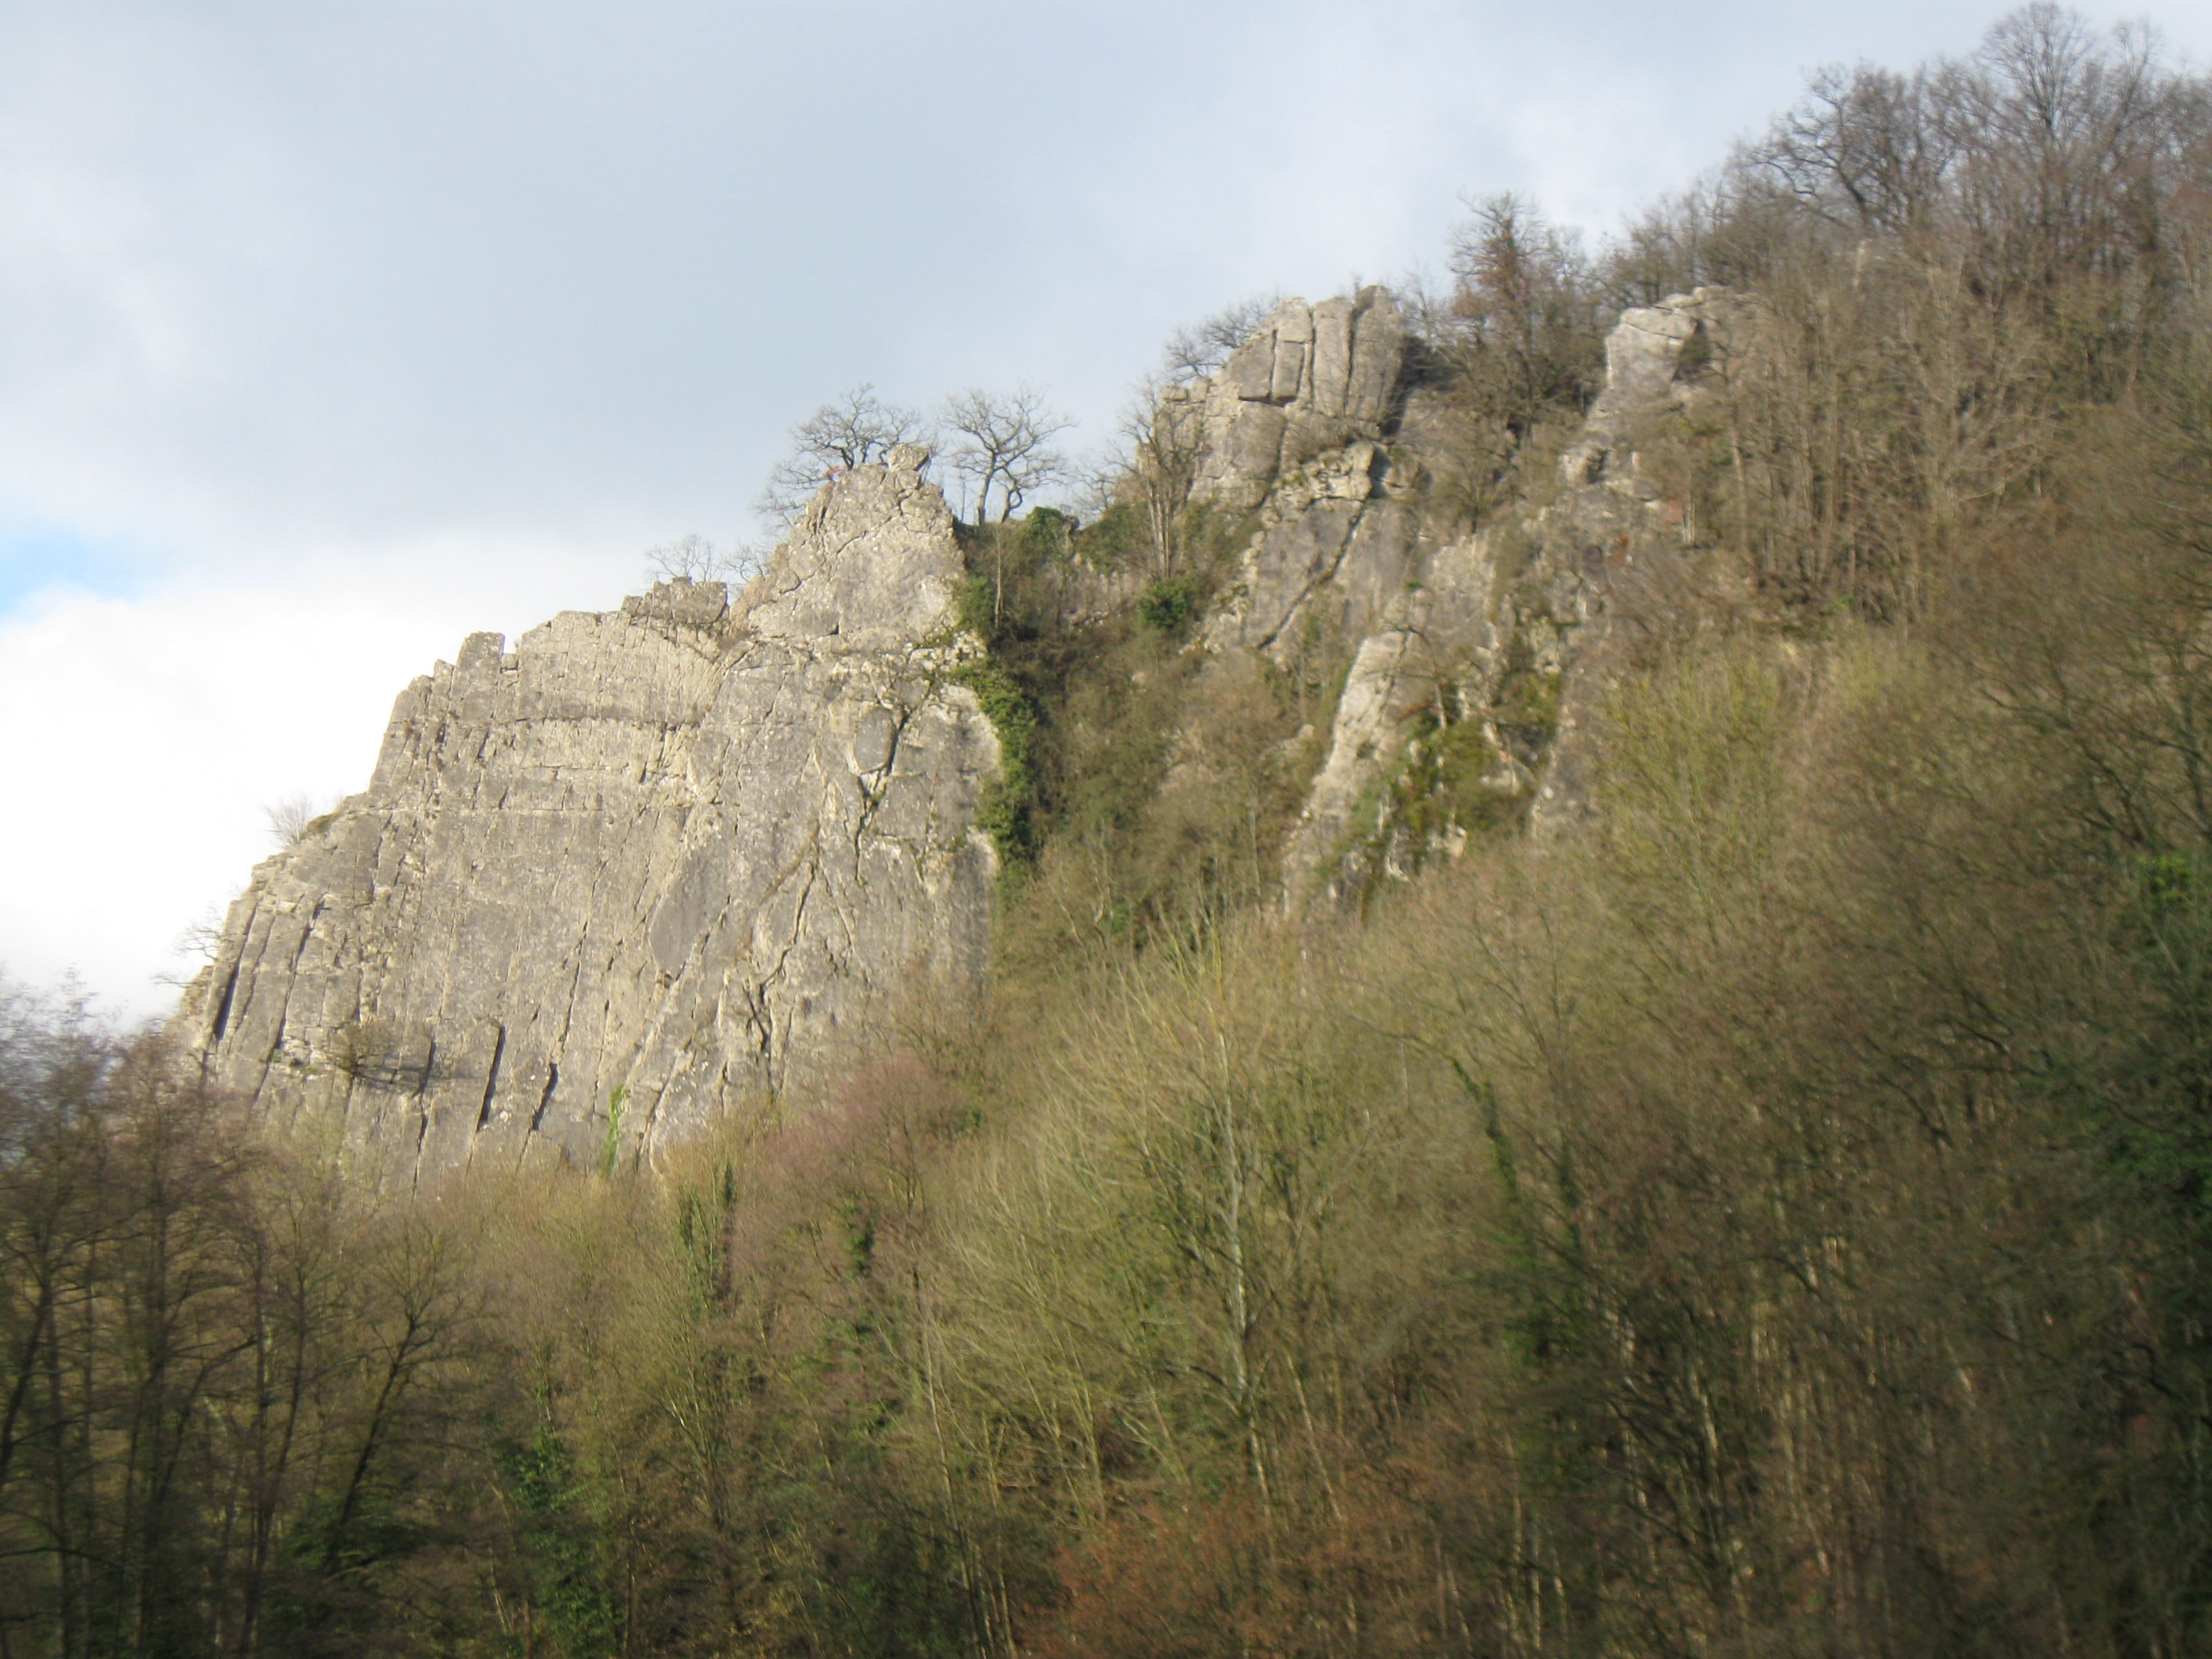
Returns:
point(1772, 1221)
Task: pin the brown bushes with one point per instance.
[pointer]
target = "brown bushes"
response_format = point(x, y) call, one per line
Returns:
point(1774, 1222)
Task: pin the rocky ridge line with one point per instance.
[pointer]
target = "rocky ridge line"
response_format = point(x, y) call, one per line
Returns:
point(1495, 645)
point(648, 862)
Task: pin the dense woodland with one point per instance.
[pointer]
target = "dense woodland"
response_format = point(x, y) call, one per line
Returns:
point(1776, 1221)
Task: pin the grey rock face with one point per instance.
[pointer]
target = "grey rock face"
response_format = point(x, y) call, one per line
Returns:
point(1658, 358)
point(1442, 628)
point(1334, 544)
point(1310, 379)
point(646, 863)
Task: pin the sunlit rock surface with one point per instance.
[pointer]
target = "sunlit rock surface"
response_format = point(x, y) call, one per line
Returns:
point(1326, 431)
point(646, 863)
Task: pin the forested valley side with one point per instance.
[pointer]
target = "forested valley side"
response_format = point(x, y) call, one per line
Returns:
point(1774, 1216)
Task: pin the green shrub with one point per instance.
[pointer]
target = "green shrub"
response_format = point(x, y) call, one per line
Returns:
point(1121, 533)
point(1006, 811)
point(1046, 534)
point(1167, 606)
point(975, 599)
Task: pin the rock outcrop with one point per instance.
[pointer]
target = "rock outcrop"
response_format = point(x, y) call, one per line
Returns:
point(652, 861)
point(1310, 379)
point(1476, 661)
point(645, 863)
point(1657, 359)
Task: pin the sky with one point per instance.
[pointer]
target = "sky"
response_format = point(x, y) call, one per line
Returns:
point(332, 332)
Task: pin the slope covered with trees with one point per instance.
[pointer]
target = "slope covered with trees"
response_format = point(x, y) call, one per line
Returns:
point(1776, 1217)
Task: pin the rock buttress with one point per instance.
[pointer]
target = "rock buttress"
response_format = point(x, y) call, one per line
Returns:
point(1324, 433)
point(647, 863)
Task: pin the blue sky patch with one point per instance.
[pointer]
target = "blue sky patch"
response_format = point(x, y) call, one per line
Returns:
point(35, 557)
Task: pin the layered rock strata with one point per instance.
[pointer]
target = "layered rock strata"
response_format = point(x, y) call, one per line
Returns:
point(646, 863)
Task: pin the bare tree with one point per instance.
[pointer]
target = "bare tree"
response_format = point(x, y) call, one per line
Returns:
point(851, 429)
point(1004, 442)
point(1530, 340)
point(2068, 138)
point(1164, 434)
point(1203, 346)
point(695, 559)
point(1161, 431)
point(194, 947)
point(290, 817)
point(1095, 481)
point(1869, 149)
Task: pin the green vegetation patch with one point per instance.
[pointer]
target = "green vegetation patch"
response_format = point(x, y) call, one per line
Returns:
point(1450, 781)
point(1167, 607)
point(1007, 812)
point(1120, 536)
point(1526, 712)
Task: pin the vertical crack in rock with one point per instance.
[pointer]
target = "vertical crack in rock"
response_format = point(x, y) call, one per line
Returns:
point(811, 860)
point(585, 832)
point(491, 1078)
point(222, 1022)
point(545, 1097)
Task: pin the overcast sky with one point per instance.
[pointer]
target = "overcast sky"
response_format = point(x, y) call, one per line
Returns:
point(332, 332)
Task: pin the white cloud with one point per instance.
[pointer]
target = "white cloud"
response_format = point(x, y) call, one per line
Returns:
point(143, 735)
point(343, 332)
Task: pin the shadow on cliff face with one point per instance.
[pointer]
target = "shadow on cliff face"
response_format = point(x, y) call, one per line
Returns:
point(379, 1055)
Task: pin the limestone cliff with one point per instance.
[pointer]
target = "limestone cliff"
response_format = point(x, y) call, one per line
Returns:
point(645, 863)
point(1475, 661)
point(654, 860)
point(1309, 379)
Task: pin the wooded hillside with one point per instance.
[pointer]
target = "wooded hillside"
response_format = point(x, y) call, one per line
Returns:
point(1775, 1218)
